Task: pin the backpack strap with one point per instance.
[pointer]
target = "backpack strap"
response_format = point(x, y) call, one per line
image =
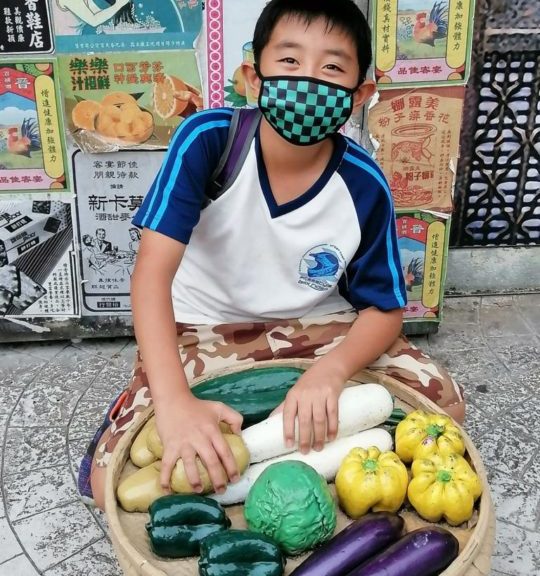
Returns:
point(242, 130)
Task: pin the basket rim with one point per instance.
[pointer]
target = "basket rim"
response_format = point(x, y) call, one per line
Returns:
point(485, 524)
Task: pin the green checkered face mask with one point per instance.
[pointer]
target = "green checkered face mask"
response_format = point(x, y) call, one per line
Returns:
point(304, 110)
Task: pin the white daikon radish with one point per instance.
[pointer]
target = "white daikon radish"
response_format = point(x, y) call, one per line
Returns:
point(360, 408)
point(326, 462)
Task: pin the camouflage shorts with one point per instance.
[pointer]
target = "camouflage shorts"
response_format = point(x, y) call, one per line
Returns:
point(206, 348)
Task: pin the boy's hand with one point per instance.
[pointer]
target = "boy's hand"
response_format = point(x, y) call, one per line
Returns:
point(313, 400)
point(189, 428)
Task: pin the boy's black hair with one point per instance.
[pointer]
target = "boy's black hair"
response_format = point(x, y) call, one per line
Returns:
point(343, 14)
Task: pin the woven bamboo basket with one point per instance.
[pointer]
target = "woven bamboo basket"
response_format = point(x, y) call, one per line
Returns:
point(131, 543)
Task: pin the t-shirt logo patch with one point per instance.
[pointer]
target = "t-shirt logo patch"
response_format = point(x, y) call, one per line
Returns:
point(321, 267)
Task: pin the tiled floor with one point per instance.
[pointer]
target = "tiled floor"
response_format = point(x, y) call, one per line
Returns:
point(52, 397)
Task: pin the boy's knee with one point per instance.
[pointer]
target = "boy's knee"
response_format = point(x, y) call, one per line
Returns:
point(456, 411)
point(97, 482)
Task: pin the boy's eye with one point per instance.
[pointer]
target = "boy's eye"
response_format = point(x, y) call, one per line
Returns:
point(289, 60)
point(334, 67)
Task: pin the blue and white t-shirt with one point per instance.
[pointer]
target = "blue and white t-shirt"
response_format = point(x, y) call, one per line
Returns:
point(250, 259)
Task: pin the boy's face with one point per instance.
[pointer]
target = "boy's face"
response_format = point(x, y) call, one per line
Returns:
point(297, 49)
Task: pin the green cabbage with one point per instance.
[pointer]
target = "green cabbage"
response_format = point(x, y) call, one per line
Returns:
point(291, 503)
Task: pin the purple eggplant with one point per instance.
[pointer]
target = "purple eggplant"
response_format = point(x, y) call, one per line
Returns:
point(422, 552)
point(353, 545)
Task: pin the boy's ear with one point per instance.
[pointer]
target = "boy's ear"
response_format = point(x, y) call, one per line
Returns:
point(251, 78)
point(363, 93)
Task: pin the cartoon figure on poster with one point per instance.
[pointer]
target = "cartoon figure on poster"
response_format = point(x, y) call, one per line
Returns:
point(31, 152)
point(101, 256)
point(164, 24)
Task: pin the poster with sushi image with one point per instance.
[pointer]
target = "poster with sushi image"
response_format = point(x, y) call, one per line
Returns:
point(423, 247)
point(417, 140)
point(37, 261)
point(83, 26)
point(32, 153)
point(422, 42)
point(128, 100)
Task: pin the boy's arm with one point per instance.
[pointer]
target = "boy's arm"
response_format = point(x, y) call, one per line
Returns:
point(314, 398)
point(188, 427)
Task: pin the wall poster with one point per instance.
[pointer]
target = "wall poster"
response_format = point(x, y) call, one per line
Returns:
point(125, 25)
point(423, 41)
point(128, 100)
point(423, 247)
point(32, 155)
point(110, 188)
point(25, 27)
point(418, 136)
point(37, 271)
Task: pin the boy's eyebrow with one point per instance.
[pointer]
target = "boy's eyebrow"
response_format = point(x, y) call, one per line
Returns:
point(329, 51)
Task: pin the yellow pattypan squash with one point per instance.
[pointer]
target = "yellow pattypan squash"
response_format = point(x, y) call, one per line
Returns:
point(421, 435)
point(444, 486)
point(371, 480)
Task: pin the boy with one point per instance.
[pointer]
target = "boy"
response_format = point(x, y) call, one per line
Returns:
point(297, 258)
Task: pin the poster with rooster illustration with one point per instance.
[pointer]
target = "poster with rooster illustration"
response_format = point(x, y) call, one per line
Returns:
point(83, 26)
point(417, 140)
point(425, 42)
point(32, 155)
point(128, 100)
point(423, 246)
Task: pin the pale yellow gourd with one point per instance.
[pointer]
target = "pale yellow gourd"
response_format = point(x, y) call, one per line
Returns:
point(139, 490)
point(140, 455)
point(180, 483)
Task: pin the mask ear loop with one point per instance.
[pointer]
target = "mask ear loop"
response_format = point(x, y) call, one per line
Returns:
point(258, 70)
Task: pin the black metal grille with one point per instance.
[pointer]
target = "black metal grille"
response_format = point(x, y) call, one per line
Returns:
point(499, 202)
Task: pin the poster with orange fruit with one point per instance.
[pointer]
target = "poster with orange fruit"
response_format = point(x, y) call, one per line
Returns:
point(127, 101)
point(32, 154)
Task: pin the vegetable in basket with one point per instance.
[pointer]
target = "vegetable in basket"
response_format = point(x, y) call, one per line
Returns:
point(291, 503)
point(444, 486)
point(240, 553)
point(360, 408)
point(326, 462)
point(356, 543)
point(422, 552)
point(371, 480)
point(422, 434)
point(136, 492)
point(179, 523)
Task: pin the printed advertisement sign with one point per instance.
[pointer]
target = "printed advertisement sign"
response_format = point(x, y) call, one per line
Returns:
point(128, 100)
point(422, 41)
point(37, 275)
point(125, 25)
point(110, 188)
point(25, 27)
point(418, 136)
point(423, 247)
point(32, 153)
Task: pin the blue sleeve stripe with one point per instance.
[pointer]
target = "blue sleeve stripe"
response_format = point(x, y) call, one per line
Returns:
point(389, 247)
point(177, 161)
point(355, 146)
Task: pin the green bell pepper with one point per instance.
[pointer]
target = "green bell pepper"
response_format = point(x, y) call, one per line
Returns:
point(240, 553)
point(179, 522)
